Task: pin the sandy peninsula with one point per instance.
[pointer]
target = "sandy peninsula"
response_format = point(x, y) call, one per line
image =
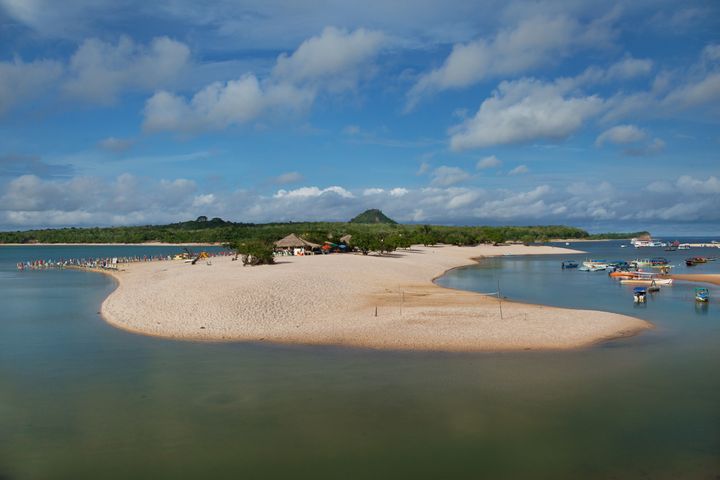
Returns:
point(713, 278)
point(333, 300)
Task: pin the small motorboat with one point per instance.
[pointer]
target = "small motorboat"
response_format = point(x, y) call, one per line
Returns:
point(702, 295)
point(691, 262)
point(639, 294)
point(597, 264)
point(569, 264)
point(591, 268)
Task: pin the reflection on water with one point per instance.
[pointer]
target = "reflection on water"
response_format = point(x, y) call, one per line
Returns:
point(79, 399)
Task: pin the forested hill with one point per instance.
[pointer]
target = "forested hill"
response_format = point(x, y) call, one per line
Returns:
point(217, 230)
point(373, 216)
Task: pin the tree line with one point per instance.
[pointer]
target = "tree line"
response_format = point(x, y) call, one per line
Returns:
point(373, 237)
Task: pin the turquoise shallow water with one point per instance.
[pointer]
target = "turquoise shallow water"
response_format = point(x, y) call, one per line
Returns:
point(79, 399)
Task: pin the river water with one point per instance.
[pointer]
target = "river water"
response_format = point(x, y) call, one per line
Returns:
point(80, 399)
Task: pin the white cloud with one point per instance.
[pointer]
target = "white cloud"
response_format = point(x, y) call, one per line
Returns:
point(98, 71)
point(626, 69)
point(399, 192)
point(488, 162)
point(220, 105)
point(289, 177)
point(690, 185)
point(336, 58)
point(334, 61)
point(534, 42)
point(305, 192)
point(372, 191)
point(621, 135)
point(522, 111)
point(445, 176)
point(519, 170)
point(636, 141)
point(20, 81)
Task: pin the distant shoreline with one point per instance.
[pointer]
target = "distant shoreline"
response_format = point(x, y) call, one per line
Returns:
point(379, 302)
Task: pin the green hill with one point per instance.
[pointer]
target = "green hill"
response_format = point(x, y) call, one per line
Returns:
point(373, 216)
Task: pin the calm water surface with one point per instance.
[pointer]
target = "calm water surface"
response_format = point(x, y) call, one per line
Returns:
point(79, 399)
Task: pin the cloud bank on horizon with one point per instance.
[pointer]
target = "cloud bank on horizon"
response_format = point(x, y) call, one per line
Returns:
point(601, 116)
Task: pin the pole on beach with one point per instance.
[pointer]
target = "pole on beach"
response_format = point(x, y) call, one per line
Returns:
point(376, 310)
point(499, 300)
point(402, 301)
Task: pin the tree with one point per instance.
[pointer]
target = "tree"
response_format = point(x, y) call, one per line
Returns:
point(258, 252)
point(366, 242)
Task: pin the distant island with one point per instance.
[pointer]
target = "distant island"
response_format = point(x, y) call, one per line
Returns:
point(369, 223)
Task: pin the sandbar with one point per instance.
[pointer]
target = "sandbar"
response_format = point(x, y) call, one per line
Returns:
point(368, 301)
point(713, 278)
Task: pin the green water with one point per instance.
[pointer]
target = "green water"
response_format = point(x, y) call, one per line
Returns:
point(79, 399)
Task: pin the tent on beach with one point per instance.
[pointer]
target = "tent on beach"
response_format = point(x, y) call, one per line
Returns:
point(295, 245)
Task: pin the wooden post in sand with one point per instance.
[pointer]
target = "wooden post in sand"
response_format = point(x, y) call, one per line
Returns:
point(376, 310)
point(499, 300)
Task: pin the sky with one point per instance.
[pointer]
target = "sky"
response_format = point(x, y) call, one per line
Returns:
point(601, 115)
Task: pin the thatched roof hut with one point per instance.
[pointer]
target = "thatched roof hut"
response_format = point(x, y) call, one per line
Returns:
point(346, 239)
point(293, 241)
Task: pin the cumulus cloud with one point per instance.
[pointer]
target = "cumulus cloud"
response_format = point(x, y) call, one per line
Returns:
point(222, 104)
point(336, 58)
point(488, 162)
point(445, 176)
point(21, 81)
point(334, 61)
point(532, 43)
point(621, 135)
point(372, 191)
point(289, 177)
point(522, 111)
point(519, 170)
point(626, 69)
point(305, 192)
point(98, 71)
point(635, 140)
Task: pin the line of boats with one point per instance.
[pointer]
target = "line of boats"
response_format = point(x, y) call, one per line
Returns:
point(629, 273)
point(669, 246)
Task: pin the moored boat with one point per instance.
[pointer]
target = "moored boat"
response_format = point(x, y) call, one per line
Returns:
point(639, 294)
point(647, 281)
point(702, 294)
point(691, 262)
point(596, 264)
point(569, 264)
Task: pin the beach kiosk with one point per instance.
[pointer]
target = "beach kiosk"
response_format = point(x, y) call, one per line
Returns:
point(294, 245)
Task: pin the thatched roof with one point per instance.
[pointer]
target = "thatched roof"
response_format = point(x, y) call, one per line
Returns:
point(293, 241)
point(346, 239)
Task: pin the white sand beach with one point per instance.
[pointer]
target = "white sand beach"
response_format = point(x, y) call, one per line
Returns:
point(332, 300)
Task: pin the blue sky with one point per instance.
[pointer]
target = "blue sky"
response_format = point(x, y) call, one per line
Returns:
point(128, 112)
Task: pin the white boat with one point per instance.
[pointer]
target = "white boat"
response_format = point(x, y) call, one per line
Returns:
point(647, 281)
point(596, 264)
point(641, 262)
point(591, 268)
